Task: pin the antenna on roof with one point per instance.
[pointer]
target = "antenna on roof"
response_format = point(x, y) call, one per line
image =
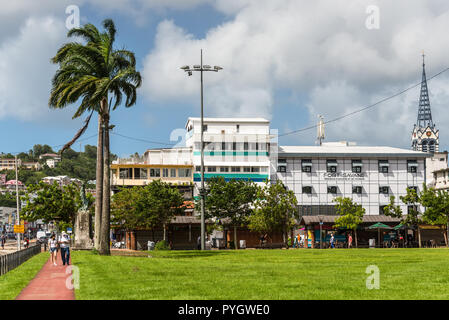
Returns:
point(320, 130)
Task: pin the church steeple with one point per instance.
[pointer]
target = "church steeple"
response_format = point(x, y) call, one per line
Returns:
point(424, 112)
point(425, 136)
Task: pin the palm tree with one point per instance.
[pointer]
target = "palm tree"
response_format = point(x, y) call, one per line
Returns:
point(99, 76)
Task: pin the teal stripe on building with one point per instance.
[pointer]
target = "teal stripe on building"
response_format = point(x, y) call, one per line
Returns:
point(232, 153)
point(229, 176)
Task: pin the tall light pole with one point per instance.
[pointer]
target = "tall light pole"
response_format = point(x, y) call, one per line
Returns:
point(17, 200)
point(189, 71)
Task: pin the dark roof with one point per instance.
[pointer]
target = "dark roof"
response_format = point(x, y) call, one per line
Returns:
point(331, 219)
point(187, 220)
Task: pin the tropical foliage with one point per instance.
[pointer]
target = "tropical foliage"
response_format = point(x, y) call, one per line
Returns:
point(350, 215)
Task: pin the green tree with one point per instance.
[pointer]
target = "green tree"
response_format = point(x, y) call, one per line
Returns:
point(100, 76)
point(50, 202)
point(231, 202)
point(148, 207)
point(351, 215)
point(275, 209)
point(436, 204)
point(412, 218)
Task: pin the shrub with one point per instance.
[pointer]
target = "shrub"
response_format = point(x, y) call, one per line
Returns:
point(162, 245)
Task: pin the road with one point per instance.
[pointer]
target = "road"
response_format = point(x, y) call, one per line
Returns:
point(11, 246)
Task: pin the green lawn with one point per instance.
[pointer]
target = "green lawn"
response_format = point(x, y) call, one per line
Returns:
point(265, 274)
point(15, 280)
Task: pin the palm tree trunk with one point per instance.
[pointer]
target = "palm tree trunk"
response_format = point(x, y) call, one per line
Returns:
point(105, 216)
point(355, 237)
point(99, 183)
point(235, 238)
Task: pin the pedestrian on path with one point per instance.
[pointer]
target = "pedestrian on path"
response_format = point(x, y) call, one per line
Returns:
point(64, 245)
point(332, 241)
point(350, 241)
point(53, 245)
point(3, 240)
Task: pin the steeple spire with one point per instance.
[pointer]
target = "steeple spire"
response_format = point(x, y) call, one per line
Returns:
point(424, 112)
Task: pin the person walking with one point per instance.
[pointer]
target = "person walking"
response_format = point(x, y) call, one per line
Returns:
point(3, 240)
point(198, 243)
point(349, 241)
point(53, 245)
point(332, 241)
point(64, 245)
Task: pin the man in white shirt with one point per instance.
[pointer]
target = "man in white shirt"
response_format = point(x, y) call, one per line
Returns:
point(64, 245)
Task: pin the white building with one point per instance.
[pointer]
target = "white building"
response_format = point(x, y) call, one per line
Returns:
point(236, 148)
point(368, 175)
point(441, 179)
point(437, 162)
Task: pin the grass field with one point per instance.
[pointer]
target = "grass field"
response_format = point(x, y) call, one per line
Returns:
point(15, 280)
point(265, 274)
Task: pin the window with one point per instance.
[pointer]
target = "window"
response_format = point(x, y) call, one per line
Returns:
point(383, 166)
point(332, 165)
point(235, 169)
point(282, 165)
point(155, 172)
point(307, 190)
point(357, 166)
point(245, 146)
point(382, 209)
point(165, 172)
point(306, 165)
point(255, 169)
point(224, 169)
point(246, 169)
point(413, 188)
point(205, 128)
point(173, 172)
point(332, 189)
point(357, 189)
point(237, 128)
point(234, 146)
point(211, 169)
point(384, 190)
point(264, 169)
point(198, 168)
point(184, 172)
point(125, 173)
point(412, 166)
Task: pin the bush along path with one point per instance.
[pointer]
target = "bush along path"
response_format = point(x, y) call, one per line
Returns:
point(51, 283)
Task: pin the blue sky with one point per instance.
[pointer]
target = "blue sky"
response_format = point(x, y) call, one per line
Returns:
point(287, 61)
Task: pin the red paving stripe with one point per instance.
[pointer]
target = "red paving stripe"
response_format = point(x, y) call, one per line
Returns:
point(49, 284)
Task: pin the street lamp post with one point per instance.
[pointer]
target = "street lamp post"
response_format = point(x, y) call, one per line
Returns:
point(189, 71)
point(18, 204)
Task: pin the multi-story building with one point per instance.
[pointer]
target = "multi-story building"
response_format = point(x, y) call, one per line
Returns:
point(441, 179)
point(61, 180)
point(169, 165)
point(9, 164)
point(368, 175)
point(235, 148)
point(437, 162)
point(51, 159)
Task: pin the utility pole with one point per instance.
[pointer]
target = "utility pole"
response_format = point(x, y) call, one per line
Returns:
point(189, 70)
point(18, 204)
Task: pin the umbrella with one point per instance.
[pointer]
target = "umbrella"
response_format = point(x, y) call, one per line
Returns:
point(399, 226)
point(379, 226)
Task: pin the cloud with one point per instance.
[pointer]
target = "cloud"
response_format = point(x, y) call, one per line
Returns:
point(26, 71)
point(319, 50)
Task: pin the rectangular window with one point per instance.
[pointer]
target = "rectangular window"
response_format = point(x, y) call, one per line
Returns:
point(282, 165)
point(224, 169)
point(331, 165)
point(307, 190)
point(235, 169)
point(246, 169)
point(184, 172)
point(255, 169)
point(264, 169)
point(332, 189)
point(237, 128)
point(383, 166)
point(412, 166)
point(173, 172)
point(205, 128)
point(306, 165)
point(357, 166)
point(357, 189)
point(211, 169)
point(223, 146)
point(384, 190)
point(234, 146)
point(155, 172)
point(165, 172)
point(198, 168)
point(245, 146)
point(282, 168)
point(125, 173)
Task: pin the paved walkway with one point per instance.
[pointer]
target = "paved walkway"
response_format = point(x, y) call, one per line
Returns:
point(49, 284)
